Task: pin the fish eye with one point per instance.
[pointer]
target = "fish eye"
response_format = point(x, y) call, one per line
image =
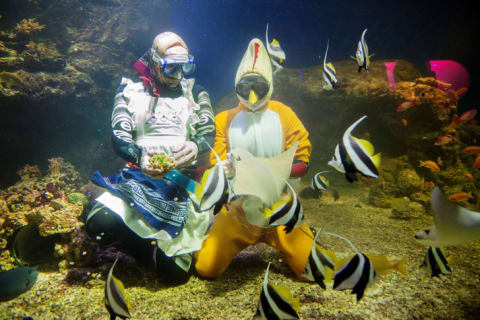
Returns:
point(427, 231)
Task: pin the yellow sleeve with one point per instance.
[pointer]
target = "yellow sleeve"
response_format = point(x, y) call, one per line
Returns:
point(220, 144)
point(295, 131)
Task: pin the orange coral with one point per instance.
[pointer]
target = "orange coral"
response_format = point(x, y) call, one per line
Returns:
point(26, 27)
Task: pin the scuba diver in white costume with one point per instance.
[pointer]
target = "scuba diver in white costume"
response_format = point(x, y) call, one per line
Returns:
point(143, 212)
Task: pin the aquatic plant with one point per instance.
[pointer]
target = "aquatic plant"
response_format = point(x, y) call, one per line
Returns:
point(26, 27)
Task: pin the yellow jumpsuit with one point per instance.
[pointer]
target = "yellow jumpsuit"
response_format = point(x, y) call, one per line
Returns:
point(264, 134)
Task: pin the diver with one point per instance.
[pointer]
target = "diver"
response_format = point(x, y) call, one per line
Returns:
point(265, 128)
point(142, 212)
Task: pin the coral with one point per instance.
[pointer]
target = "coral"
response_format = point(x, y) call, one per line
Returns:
point(55, 166)
point(77, 197)
point(39, 200)
point(26, 27)
point(408, 181)
point(28, 172)
point(10, 81)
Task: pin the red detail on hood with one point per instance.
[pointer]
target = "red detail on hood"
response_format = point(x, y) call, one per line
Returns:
point(256, 54)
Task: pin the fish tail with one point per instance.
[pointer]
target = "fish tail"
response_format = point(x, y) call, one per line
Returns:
point(401, 267)
point(377, 160)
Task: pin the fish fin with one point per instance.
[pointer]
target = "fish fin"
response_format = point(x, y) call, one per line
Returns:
point(351, 177)
point(377, 160)
point(285, 293)
point(400, 266)
point(274, 42)
point(197, 193)
point(366, 144)
point(371, 55)
point(353, 58)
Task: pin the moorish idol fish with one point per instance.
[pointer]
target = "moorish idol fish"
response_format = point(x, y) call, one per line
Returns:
point(361, 56)
point(116, 301)
point(276, 302)
point(453, 224)
point(276, 53)
point(288, 213)
point(329, 74)
point(319, 182)
point(354, 155)
point(315, 269)
point(214, 190)
point(436, 263)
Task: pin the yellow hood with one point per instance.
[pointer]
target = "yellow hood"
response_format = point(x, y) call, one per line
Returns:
point(255, 60)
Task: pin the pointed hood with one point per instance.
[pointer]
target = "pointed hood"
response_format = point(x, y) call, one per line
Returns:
point(257, 61)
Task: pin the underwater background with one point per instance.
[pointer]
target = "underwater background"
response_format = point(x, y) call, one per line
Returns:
point(61, 62)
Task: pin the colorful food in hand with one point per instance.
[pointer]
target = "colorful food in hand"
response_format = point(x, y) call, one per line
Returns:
point(161, 162)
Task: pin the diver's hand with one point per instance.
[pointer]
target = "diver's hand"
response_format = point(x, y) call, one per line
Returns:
point(185, 154)
point(229, 168)
point(147, 154)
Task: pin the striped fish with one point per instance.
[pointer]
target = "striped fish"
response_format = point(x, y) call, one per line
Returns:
point(329, 74)
point(317, 263)
point(287, 213)
point(116, 302)
point(361, 56)
point(214, 191)
point(354, 155)
point(319, 182)
point(276, 302)
point(276, 53)
point(436, 263)
point(356, 274)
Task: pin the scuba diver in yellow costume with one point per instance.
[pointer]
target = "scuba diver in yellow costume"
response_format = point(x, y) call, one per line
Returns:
point(265, 128)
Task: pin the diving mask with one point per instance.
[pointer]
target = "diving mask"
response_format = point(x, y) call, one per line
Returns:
point(252, 83)
point(173, 64)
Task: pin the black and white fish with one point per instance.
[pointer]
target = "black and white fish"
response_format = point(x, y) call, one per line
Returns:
point(436, 263)
point(276, 53)
point(361, 56)
point(330, 80)
point(319, 182)
point(356, 274)
point(116, 301)
point(315, 269)
point(276, 302)
point(288, 213)
point(214, 190)
point(354, 155)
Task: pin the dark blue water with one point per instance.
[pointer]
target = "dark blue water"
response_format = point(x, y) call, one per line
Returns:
point(218, 32)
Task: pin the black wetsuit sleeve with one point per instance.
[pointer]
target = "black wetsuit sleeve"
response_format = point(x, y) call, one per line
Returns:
point(205, 127)
point(123, 129)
